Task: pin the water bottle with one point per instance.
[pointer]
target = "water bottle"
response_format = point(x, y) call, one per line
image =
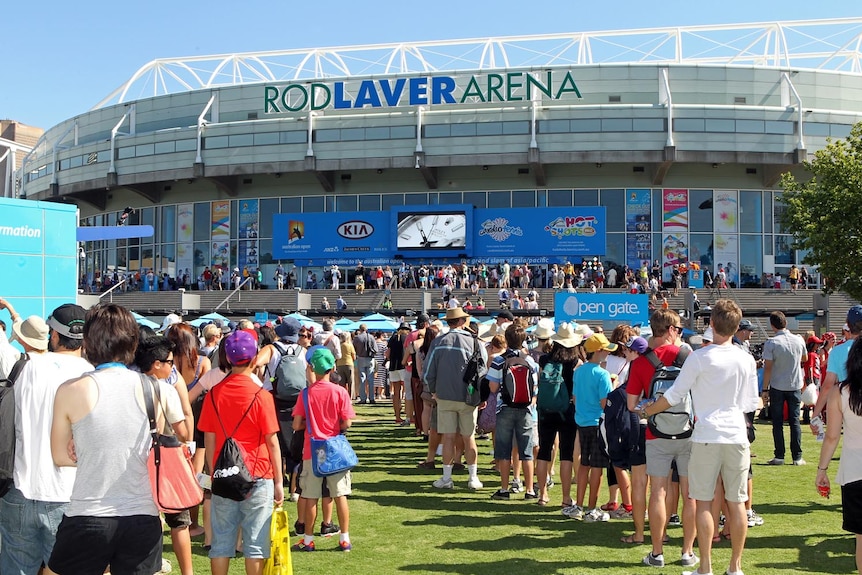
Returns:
point(817, 423)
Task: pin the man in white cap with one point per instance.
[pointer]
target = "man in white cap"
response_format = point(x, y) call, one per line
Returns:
point(40, 489)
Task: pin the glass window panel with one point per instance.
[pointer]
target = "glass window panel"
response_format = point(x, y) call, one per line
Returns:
point(784, 250)
point(148, 217)
point(144, 150)
point(617, 125)
point(294, 137)
point(103, 156)
point(560, 198)
point(524, 199)
point(433, 198)
point(700, 249)
point(542, 198)
point(499, 200)
point(291, 205)
point(379, 133)
point(476, 199)
point(169, 224)
point(553, 126)
point(201, 258)
point(389, 200)
point(369, 203)
point(241, 140)
point(780, 127)
point(750, 212)
point(689, 125)
point(234, 219)
point(203, 223)
point(751, 126)
point(778, 210)
point(450, 197)
point(514, 128)
point(720, 125)
point(330, 203)
point(586, 197)
point(126, 153)
point(265, 249)
point(768, 245)
point(840, 130)
point(615, 202)
point(750, 260)
point(402, 132)
point(186, 145)
point(593, 125)
point(332, 135)
point(816, 129)
point(348, 134)
point(165, 147)
point(489, 129)
point(216, 142)
point(267, 139)
point(415, 199)
point(312, 204)
point(76, 161)
point(268, 207)
point(134, 263)
point(616, 251)
point(648, 124)
point(463, 130)
point(700, 210)
point(437, 130)
point(347, 203)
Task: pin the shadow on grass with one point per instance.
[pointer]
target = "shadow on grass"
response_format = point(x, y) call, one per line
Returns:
point(515, 565)
point(829, 555)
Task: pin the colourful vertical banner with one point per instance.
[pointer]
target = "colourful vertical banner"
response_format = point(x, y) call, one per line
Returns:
point(638, 250)
point(185, 261)
point(247, 250)
point(638, 215)
point(675, 230)
point(725, 212)
point(220, 212)
point(185, 234)
point(727, 256)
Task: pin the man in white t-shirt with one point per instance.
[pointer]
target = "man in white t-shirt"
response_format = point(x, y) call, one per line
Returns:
point(722, 380)
point(39, 486)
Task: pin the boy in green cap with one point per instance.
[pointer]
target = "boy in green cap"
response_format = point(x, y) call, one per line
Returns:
point(331, 413)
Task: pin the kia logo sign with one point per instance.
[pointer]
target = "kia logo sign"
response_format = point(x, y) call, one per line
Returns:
point(355, 230)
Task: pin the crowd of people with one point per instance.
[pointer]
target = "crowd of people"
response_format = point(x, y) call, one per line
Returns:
point(604, 405)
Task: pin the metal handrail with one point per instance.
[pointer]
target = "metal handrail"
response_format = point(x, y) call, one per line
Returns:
point(111, 290)
point(231, 294)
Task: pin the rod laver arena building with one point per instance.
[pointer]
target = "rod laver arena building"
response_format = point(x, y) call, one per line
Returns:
point(629, 146)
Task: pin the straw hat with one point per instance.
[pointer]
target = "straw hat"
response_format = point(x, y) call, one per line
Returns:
point(544, 329)
point(566, 336)
point(583, 330)
point(456, 313)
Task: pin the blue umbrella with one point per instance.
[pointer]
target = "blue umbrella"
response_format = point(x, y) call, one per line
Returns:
point(144, 321)
point(379, 322)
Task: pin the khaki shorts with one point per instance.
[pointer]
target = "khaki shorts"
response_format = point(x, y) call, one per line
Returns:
point(312, 486)
point(708, 460)
point(660, 453)
point(456, 417)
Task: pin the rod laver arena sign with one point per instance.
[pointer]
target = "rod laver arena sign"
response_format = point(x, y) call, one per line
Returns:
point(423, 90)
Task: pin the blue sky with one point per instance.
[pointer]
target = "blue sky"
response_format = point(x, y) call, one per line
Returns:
point(61, 58)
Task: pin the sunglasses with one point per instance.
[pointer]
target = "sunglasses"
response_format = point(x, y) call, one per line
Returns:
point(303, 334)
point(170, 361)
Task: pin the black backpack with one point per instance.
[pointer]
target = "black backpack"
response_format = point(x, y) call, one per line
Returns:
point(231, 477)
point(618, 427)
point(7, 425)
point(677, 422)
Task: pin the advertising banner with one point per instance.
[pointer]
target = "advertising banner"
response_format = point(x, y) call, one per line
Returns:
point(185, 260)
point(185, 222)
point(638, 217)
point(247, 249)
point(638, 250)
point(675, 228)
point(583, 307)
point(352, 236)
point(220, 211)
point(727, 256)
point(567, 232)
point(724, 212)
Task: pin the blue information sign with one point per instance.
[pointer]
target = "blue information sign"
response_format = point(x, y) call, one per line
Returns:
point(581, 307)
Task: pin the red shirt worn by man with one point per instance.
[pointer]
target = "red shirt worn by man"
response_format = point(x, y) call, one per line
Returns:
point(641, 372)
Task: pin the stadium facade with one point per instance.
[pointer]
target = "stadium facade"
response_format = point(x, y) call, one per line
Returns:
point(672, 140)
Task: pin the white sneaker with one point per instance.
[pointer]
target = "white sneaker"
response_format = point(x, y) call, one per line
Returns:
point(754, 519)
point(573, 512)
point(596, 516)
point(474, 483)
point(444, 483)
point(689, 559)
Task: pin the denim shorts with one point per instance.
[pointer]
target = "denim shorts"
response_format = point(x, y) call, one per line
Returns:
point(514, 425)
point(253, 515)
point(28, 530)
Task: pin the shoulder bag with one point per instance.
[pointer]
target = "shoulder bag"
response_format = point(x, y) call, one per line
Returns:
point(330, 455)
point(472, 376)
point(169, 463)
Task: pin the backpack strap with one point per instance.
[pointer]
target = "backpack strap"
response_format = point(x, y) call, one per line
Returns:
point(16, 370)
point(251, 403)
point(681, 356)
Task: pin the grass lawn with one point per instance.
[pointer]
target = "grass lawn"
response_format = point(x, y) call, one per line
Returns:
point(400, 524)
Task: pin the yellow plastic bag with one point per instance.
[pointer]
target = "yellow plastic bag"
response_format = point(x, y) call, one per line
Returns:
point(279, 562)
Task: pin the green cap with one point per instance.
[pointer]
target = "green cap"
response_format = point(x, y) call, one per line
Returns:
point(322, 361)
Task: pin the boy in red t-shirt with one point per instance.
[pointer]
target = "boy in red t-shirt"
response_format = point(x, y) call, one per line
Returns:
point(257, 433)
point(331, 413)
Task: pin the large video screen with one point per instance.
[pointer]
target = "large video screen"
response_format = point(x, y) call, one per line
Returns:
point(445, 230)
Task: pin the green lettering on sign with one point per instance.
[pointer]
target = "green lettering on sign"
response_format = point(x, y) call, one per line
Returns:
point(511, 85)
point(495, 82)
point(568, 85)
point(543, 88)
point(472, 91)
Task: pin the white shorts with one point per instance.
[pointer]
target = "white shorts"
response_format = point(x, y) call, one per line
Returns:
point(396, 375)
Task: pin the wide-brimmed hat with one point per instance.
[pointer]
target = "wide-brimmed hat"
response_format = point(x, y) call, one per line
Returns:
point(33, 331)
point(583, 330)
point(566, 336)
point(456, 313)
point(288, 329)
point(544, 329)
point(708, 334)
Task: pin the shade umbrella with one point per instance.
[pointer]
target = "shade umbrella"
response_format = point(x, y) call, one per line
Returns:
point(214, 315)
point(345, 324)
point(305, 321)
point(144, 321)
point(379, 322)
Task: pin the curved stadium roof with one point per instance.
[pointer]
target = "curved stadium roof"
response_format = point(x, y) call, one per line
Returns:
point(834, 45)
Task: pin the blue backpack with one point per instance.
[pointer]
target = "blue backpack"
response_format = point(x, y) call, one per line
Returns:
point(619, 428)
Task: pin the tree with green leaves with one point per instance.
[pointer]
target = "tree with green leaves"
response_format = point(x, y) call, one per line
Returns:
point(824, 214)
